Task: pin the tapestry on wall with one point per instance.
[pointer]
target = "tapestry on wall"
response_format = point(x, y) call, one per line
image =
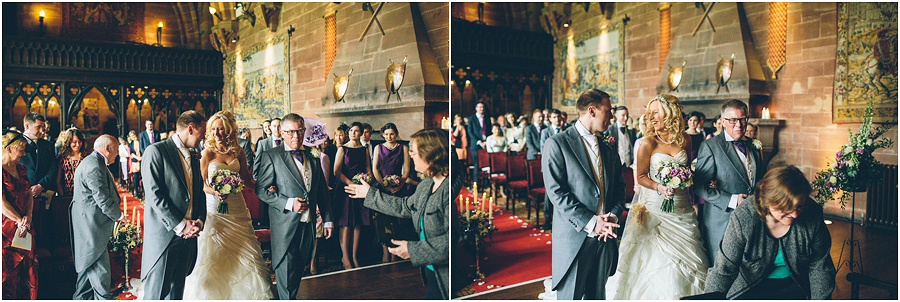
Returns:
point(592, 59)
point(103, 21)
point(257, 82)
point(866, 65)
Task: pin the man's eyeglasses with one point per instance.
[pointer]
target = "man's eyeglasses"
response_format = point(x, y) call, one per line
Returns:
point(294, 132)
point(733, 121)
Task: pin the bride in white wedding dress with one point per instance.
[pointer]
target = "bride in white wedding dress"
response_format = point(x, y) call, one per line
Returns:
point(229, 260)
point(661, 255)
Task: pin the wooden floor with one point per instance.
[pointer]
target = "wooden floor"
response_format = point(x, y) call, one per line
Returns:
point(879, 258)
point(393, 281)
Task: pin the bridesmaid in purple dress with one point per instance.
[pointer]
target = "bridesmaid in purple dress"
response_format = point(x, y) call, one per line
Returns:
point(350, 160)
point(392, 159)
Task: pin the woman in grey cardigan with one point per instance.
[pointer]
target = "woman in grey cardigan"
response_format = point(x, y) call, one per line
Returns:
point(427, 207)
point(776, 246)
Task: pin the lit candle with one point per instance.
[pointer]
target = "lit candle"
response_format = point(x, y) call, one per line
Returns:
point(133, 213)
point(125, 199)
point(491, 211)
point(765, 113)
point(139, 222)
point(467, 208)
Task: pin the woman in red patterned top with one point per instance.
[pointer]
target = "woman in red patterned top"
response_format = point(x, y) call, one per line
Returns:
point(70, 154)
point(19, 265)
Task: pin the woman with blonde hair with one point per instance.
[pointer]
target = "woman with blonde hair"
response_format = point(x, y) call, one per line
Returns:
point(660, 256)
point(19, 265)
point(229, 259)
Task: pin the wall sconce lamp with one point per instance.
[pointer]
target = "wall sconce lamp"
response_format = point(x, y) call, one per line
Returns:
point(212, 11)
point(235, 39)
point(244, 11)
point(567, 24)
point(41, 16)
point(159, 28)
point(394, 78)
point(339, 89)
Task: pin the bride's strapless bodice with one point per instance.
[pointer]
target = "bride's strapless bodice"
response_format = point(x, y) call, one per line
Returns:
point(654, 198)
point(235, 201)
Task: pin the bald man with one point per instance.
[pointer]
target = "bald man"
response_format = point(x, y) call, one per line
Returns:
point(94, 212)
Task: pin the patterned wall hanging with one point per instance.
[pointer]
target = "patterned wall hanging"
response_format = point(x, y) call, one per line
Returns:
point(257, 83)
point(665, 35)
point(863, 30)
point(330, 43)
point(592, 59)
point(777, 36)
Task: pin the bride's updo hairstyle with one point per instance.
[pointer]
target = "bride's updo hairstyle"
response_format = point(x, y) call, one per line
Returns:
point(231, 146)
point(673, 122)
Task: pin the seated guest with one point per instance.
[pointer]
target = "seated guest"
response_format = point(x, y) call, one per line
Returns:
point(70, 155)
point(776, 246)
point(533, 134)
point(515, 134)
point(19, 265)
point(95, 210)
point(624, 137)
point(501, 120)
point(496, 142)
point(427, 207)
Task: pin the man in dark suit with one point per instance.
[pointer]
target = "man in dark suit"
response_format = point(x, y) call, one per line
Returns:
point(556, 125)
point(478, 131)
point(624, 137)
point(148, 136)
point(533, 135)
point(175, 209)
point(583, 177)
point(40, 158)
point(732, 161)
point(248, 150)
point(273, 141)
point(94, 212)
point(299, 188)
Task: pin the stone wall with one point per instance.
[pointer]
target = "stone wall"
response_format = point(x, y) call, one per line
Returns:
point(425, 41)
point(801, 95)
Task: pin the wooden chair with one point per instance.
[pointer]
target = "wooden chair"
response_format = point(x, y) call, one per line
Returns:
point(498, 175)
point(484, 161)
point(536, 191)
point(516, 180)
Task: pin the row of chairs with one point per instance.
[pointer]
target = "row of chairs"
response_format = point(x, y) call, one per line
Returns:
point(516, 176)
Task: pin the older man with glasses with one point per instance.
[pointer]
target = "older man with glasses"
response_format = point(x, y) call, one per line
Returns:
point(731, 163)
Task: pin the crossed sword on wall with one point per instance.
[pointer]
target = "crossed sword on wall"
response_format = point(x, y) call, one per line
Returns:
point(368, 7)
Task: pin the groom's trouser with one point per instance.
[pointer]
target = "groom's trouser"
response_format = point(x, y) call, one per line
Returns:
point(590, 271)
point(93, 282)
point(289, 272)
point(166, 281)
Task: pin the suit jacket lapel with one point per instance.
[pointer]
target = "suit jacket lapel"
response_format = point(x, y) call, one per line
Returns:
point(175, 157)
point(578, 148)
point(733, 158)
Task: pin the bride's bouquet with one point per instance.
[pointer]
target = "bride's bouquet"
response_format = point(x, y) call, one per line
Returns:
point(362, 178)
point(391, 181)
point(675, 176)
point(226, 182)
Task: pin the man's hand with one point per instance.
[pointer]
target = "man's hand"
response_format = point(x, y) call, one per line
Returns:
point(713, 184)
point(273, 189)
point(741, 198)
point(327, 232)
point(192, 229)
point(36, 190)
point(604, 227)
point(300, 205)
point(401, 249)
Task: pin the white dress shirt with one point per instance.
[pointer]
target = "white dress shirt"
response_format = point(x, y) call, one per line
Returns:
point(590, 141)
point(306, 174)
point(749, 168)
point(186, 164)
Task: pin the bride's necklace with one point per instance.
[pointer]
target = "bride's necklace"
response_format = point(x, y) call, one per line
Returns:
point(665, 142)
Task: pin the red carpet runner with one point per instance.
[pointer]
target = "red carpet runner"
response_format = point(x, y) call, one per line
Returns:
point(134, 262)
point(518, 252)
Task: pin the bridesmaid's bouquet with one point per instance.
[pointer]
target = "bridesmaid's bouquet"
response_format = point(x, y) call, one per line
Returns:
point(675, 176)
point(363, 178)
point(226, 182)
point(391, 181)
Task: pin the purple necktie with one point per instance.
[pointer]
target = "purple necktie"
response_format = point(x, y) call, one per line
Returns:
point(298, 155)
point(483, 128)
point(740, 146)
point(277, 142)
point(150, 134)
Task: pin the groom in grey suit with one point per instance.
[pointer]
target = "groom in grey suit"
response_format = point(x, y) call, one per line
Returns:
point(297, 188)
point(175, 209)
point(583, 177)
point(735, 164)
point(94, 212)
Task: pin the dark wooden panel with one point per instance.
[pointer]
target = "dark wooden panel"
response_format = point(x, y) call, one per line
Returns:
point(399, 281)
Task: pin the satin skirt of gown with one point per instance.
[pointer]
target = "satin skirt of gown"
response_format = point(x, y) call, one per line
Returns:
point(663, 257)
point(229, 264)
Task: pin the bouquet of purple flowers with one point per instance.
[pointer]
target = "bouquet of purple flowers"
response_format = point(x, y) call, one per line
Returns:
point(362, 178)
point(226, 182)
point(391, 181)
point(675, 176)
